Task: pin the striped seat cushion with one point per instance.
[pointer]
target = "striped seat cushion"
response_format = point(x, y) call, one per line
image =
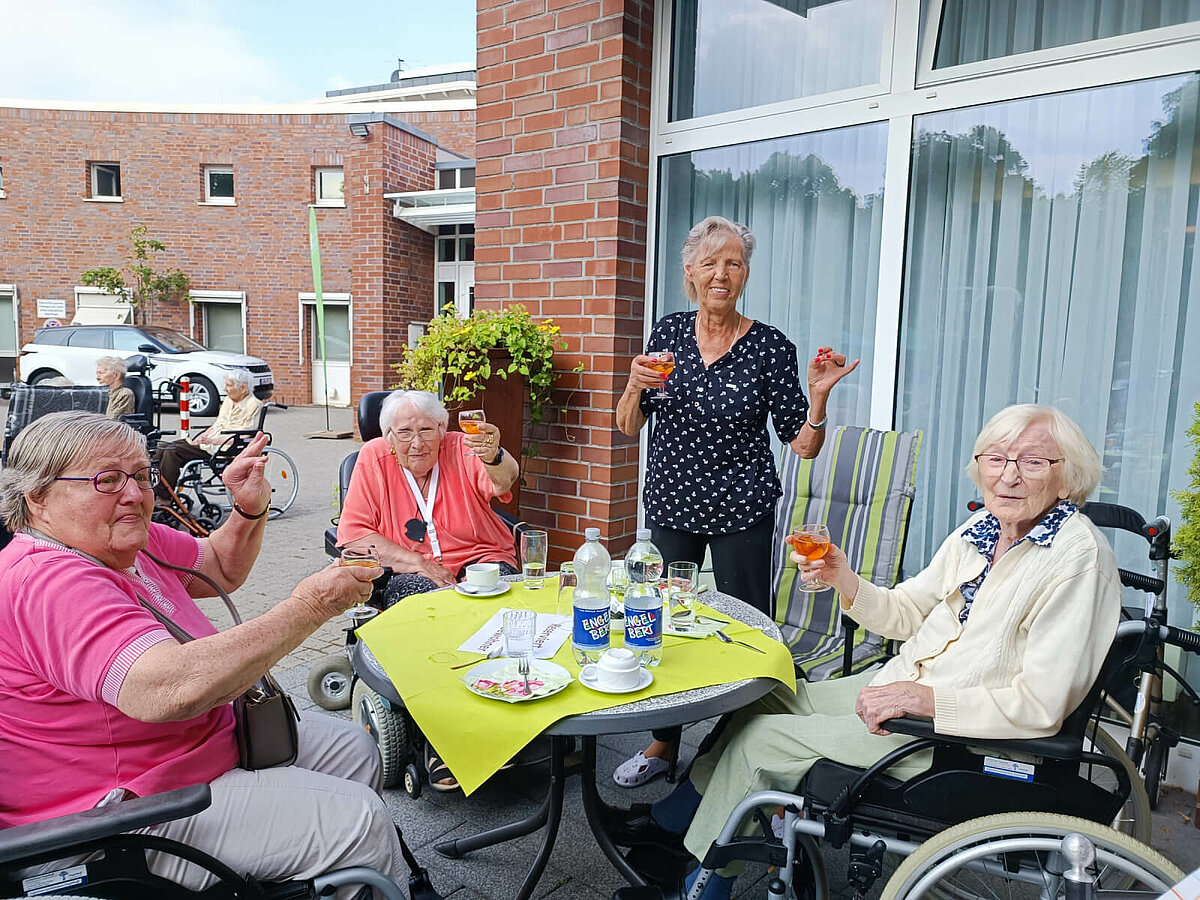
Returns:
point(861, 487)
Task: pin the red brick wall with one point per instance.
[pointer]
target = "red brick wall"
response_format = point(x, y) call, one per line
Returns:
point(49, 234)
point(453, 128)
point(562, 147)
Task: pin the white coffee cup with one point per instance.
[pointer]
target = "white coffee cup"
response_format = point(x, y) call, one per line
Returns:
point(617, 670)
point(483, 575)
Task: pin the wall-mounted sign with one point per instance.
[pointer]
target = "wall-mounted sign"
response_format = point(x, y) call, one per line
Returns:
point(51, 309)
point(51, 323)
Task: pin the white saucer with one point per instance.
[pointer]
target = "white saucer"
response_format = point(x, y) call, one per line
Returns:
point(643, 682)
point(500, 588)
point(558, 677)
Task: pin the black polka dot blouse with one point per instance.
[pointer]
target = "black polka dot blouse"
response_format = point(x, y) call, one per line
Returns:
point(711, 470)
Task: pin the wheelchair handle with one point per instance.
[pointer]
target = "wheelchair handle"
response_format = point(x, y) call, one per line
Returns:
point(1167, 634)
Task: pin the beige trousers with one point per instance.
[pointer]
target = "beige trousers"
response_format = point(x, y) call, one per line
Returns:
point(771, 745)
point(297, 821)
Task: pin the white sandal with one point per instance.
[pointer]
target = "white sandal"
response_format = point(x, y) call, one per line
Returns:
point(639, 770)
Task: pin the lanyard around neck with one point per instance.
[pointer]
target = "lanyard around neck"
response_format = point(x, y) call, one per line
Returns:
point(426, 507)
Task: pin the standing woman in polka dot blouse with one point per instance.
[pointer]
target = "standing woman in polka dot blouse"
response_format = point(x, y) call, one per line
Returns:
point(711, 481)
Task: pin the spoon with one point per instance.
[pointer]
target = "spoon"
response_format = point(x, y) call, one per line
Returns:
point(722, 636)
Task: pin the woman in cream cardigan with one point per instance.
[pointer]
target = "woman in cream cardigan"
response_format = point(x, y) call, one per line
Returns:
point(1004, 633)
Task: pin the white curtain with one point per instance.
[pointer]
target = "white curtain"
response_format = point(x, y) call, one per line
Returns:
point(815, 204)
point(1051, 259)
point(974, 30)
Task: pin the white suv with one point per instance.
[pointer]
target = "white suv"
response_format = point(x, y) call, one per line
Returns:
point(71, 351)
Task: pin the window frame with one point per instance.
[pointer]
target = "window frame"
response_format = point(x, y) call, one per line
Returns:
point(328, 202)
point(199, 297)
point(94, 170)
point(209, 199)
point(307, 300)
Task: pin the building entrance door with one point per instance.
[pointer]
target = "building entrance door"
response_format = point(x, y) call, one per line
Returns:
point(337, 345)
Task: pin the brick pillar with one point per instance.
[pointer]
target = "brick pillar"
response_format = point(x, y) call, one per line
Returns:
point(562, 140)
point(391, 279)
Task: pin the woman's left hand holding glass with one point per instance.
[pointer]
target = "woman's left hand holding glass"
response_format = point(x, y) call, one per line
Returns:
point(833, 569)
point(245, 478)
point(485, 444)
point(826, 369)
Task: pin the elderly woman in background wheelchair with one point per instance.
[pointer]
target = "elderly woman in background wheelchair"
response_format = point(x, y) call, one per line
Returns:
point(99, 702)
point(421, 497)
point(1004, 633)
point(110, 372)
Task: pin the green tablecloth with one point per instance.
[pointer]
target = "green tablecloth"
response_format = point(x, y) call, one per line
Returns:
point(415, 643)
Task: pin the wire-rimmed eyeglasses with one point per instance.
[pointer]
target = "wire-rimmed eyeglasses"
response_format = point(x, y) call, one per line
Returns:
point(1028, 466)
point(407, 435)
point(113, 481)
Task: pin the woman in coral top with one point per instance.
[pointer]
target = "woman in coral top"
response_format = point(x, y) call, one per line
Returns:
point(423, 497)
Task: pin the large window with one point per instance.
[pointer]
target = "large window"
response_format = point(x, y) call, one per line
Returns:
point(734, 54)
point(814, 204)
point(1050, 259)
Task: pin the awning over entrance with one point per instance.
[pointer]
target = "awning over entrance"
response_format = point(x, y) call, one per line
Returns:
point(101, 315)
point(429, 209)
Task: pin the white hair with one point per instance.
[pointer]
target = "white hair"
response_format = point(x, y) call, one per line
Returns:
point(706, 237)
point(112, 364)
point(240, 376)
point(1081, 464)
point(421, 401)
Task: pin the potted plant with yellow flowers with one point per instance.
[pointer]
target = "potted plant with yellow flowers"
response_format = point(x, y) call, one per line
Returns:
point(494, 359)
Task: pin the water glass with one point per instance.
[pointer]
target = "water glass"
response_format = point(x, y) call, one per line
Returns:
point(519, 625)
point(567, 582)
point(682, 582)
point(534, 545)
point(618, 583)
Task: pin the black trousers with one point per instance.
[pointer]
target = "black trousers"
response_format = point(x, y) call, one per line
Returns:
point(741, 564)
point(170, 459)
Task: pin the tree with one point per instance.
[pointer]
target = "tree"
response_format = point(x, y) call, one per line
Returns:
point(1186, 545)
point(149, 285)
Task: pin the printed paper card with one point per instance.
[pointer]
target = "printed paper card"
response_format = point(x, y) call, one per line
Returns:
point(550, 634)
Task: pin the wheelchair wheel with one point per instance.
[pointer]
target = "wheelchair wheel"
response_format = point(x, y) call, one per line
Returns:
point(1015, 855)
point(1133, 818)
point(1155, 768)
point(329, 682)
point(285, 482)
point(387, 726)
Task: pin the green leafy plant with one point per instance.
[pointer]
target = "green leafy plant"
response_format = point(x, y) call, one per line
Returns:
point(149, 285)
point(452, 356)
point(1186, 545)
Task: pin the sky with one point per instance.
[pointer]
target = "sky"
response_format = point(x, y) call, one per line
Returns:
point(221, 51)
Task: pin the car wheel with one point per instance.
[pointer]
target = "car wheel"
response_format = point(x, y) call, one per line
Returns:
point(44, 375)
point(203, 399)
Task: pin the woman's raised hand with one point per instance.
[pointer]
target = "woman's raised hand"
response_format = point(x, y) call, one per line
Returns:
point(245, 479)
point(832, 568)
point(642, 377)
point(485, 443)
point(335, 589)
point(826, 369)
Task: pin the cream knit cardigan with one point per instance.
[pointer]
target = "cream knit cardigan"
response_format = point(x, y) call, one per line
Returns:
point(1039, 628)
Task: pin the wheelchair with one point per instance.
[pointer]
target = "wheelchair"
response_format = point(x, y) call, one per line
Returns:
point(987, 817)
point(335, 682)
point(200, 502)
point(115, 867)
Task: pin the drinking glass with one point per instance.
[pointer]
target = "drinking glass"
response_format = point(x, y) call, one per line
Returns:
point(469, 420)
point(811, 541)
point(682, 580)
point(567, 582)
point(534, 545)
point(618, 584)
point(519, 625)
point(359, 556)
point(663, 362)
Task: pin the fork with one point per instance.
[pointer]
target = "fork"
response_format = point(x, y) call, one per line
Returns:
point(523, 668)
point(722, 636)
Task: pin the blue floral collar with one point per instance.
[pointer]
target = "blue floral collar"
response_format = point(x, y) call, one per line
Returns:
point(985, 534)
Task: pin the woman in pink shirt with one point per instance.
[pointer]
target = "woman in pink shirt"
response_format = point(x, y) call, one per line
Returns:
point(99, 702)
point(422, 497)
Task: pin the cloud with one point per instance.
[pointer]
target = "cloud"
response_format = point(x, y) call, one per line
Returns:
point(131, 50)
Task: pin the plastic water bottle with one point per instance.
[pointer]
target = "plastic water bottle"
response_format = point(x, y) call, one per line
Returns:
point(590, 623)
point(643, 602)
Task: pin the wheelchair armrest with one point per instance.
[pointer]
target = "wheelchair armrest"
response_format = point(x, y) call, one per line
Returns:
point(81, 828)
point(1056, 746)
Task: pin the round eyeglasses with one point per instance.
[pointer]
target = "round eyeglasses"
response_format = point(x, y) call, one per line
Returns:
point(1028, 466)
point(112, 481)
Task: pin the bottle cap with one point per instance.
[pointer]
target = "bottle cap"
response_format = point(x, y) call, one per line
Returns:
point(643, 534)
point(591, 534)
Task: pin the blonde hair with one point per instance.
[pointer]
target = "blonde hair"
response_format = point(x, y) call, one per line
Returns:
point(1081, 464)
point(51, 445)
point(708, 236)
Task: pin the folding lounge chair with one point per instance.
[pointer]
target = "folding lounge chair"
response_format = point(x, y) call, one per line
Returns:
point(861, 487)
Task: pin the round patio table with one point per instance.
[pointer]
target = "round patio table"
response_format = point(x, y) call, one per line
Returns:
point(662, 711)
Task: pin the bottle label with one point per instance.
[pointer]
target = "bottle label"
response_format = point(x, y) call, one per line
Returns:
point(591, 628)
point(643, 628)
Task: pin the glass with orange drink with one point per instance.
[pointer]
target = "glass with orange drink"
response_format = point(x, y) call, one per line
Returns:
point(360, 556)
point(662, 362)
point(812, 542)
point(471, 420)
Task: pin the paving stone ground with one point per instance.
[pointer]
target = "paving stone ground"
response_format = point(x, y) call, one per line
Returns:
point(294, 547)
